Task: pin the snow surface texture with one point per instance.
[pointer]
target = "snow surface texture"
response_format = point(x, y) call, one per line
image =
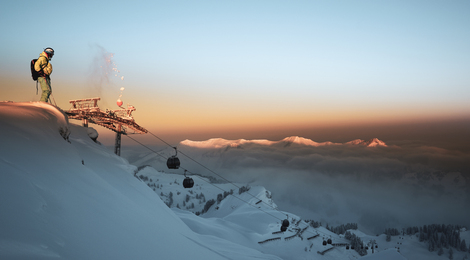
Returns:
point(77, 200)
point(64, 196)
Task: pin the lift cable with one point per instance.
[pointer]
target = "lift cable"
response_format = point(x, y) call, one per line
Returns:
point(228, 181)
point(220, 177)
point(225, 179)
point(204, 179)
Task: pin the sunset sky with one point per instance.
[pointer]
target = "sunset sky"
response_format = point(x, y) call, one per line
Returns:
point(325, 70)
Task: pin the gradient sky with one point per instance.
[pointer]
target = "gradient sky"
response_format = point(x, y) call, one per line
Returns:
point(250, 69)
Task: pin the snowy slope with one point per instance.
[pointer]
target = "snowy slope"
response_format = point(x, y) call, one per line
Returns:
point(76, 200)
point(247, 218)
point(64, 196)
point(243, 219)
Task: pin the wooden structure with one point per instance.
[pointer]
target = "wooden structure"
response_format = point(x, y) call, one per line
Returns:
point(312, 237)
point(268, 240)
point(119, 121)
point(325, 250)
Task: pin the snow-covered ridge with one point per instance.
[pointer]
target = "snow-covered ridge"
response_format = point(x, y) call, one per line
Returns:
point(222, 143)
point(374, 142)
point(75, 199)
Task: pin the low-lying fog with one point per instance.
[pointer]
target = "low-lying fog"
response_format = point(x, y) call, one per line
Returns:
point(376, 187)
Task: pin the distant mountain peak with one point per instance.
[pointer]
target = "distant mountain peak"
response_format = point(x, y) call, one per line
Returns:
point(299, 140)
point(222, 143)
point(374, 142)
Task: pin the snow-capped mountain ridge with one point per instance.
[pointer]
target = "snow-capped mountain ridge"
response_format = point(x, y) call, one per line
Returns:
point(222, 143)
point(374, 142)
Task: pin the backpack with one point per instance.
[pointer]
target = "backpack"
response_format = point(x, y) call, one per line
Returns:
point(35, 74)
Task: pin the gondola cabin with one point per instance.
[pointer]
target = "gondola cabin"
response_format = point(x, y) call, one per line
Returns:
point(285, 223)
point(188, 183)
point(173, 162)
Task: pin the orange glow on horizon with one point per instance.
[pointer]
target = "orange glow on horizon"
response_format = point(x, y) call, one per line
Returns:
point(188, 114)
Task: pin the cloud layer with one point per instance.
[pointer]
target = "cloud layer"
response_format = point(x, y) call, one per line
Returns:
point(375, 186)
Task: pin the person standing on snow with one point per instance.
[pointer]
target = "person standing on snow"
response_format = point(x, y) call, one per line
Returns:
point(44, 68)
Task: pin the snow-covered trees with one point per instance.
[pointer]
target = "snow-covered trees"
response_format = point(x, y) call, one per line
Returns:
point(209, 204)
point(356, 243)
point(243, 189)
point(440, 236)
point(313, 223)
point(220, 197)
point(463, 246)
point(342, 228)
point(412, 230)
point(440, 251)
point(170, 199)
point(392, 231)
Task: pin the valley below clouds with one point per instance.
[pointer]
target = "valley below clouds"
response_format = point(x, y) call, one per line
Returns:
point(367, 182)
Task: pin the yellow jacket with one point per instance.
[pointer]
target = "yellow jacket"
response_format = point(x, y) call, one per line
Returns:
point(43, 62)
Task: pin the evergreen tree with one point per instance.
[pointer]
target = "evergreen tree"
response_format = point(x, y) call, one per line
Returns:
point(356, 242)
point(209, 203)
point(220, 197)
point(243, 189)
point(421, 235)
point(431, 245)
point(440, 251)
point(444, 241)
point(170, 197)
point(457, 240)
point(463, 246)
